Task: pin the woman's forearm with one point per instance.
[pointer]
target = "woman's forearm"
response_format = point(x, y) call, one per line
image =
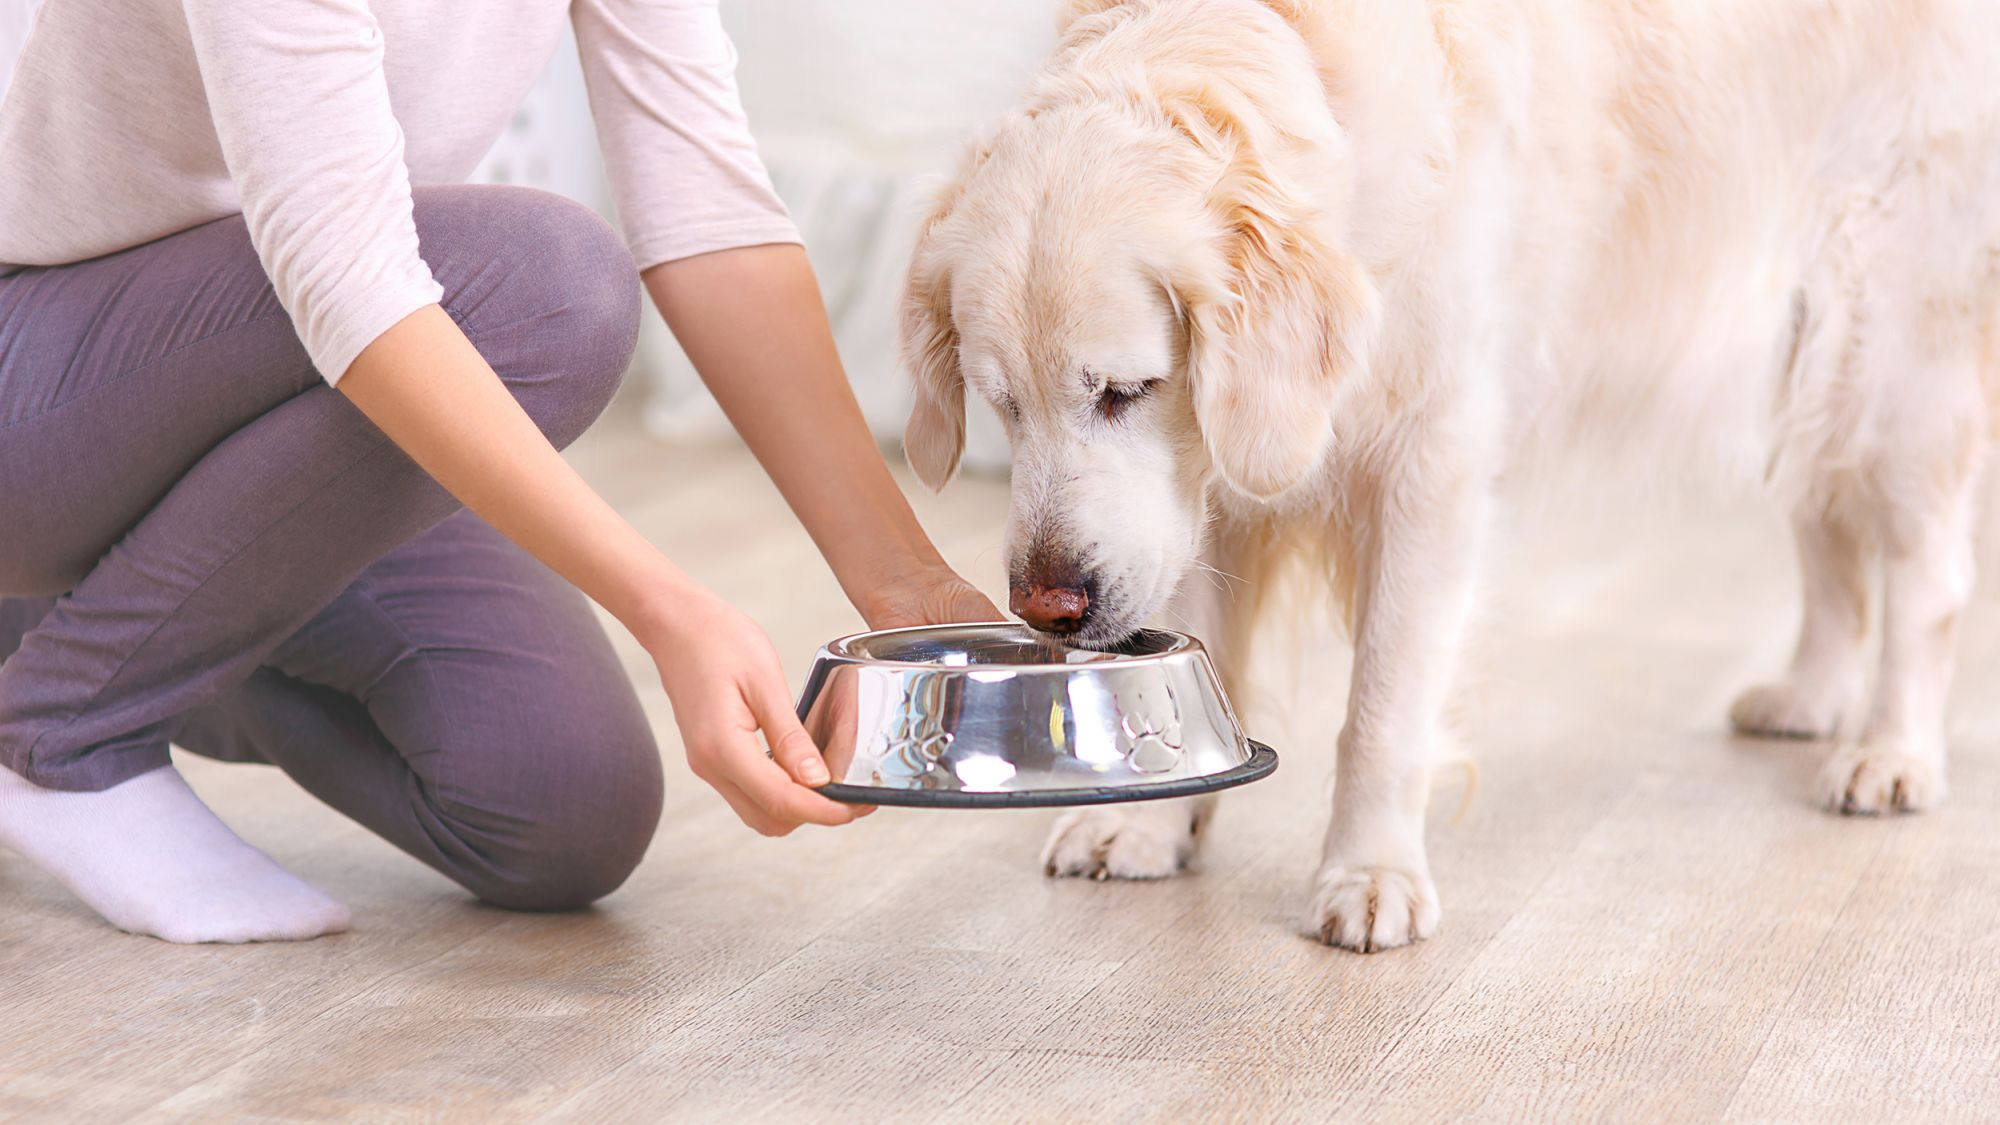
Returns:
point(431, 392)
point(754, 325)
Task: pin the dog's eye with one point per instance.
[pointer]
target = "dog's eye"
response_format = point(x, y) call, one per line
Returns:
point(1116, 398)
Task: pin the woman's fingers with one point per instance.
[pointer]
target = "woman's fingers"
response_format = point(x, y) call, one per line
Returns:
point(793, 748)
point(750, 812)
point(721, 716)
point(716, 761)
point(798, 755)
point(781, 798)
point(764, 795)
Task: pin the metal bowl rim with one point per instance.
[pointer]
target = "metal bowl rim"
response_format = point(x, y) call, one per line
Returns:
point(1185, 645)
point(1262, 762)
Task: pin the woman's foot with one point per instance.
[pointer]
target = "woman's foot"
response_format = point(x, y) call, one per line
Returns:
point(152, 859)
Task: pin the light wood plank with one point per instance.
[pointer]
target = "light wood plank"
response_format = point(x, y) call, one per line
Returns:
point(845, 1030)
point(1895, 1017)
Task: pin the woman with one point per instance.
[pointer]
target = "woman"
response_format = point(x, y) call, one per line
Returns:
point(259, 348)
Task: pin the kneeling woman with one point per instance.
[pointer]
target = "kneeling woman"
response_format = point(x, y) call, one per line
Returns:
point(280, 403)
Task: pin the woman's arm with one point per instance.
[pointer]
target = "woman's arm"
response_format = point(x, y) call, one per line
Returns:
point(431, 392)
point(753, 321)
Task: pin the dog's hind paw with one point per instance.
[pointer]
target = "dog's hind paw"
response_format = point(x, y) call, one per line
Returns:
point(1786, 710)
point(1370, 909)
point(1865, 779)
point(1140, 843)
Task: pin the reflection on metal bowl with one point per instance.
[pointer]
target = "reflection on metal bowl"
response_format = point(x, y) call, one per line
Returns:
point(997, 716)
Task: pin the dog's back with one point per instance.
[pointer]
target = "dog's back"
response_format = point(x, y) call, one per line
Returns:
point(1746, 229)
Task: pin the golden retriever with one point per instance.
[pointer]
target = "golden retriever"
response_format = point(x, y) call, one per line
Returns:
point(1246, 276)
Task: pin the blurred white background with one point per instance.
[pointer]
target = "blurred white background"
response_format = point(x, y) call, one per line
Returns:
point(859, 108)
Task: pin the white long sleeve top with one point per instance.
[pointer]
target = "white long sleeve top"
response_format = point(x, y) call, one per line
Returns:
point(129, 120)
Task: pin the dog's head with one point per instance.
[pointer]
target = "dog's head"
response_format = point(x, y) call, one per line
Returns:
point(1142, 273)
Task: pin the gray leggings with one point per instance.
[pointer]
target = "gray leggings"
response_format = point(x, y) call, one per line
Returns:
point(201, 542)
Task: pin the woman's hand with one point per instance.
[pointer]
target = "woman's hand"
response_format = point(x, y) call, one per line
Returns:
point(935, 595)
point(726, 685)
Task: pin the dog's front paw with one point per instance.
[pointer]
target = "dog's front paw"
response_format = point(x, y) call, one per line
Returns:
point(1866, 779)
point(1370, 909)
point(1120, 844)
point(1788, 710)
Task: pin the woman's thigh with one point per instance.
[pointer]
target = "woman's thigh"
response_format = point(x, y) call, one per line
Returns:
point(119, 374)
point(116, 376)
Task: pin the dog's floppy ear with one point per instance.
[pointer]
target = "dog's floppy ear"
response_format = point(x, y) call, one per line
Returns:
point(935, 435)
point(1290, 319)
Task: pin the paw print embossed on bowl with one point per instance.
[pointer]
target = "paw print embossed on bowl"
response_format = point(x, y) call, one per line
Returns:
point(1149, 723)
point(915, 741)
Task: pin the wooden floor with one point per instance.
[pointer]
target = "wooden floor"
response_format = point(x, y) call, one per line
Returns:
point(1643, 918)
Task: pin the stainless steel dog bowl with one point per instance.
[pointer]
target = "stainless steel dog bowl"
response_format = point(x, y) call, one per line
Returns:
point(999, 716)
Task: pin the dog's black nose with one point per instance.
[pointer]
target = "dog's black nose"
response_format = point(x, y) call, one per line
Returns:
point(1052, 609)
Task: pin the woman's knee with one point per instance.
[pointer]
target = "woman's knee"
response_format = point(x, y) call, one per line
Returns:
point(546, 290)
point(579, 820)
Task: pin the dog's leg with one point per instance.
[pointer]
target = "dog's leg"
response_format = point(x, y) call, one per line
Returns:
point(1927, 569)
point(1157, 839)
point(1415, 557)
point(1825, 677)
point(1143, 840)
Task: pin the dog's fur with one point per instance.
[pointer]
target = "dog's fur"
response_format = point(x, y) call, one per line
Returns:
point(1351, 259)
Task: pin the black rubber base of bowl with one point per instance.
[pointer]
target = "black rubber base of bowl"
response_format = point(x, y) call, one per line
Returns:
point(1263, 760)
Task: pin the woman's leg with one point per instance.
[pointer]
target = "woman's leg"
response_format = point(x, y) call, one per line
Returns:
point(461, 701)
point(170, 459)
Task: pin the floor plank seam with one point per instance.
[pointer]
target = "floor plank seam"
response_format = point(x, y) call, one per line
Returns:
point(949, 1111)
point(725, 997)
point(1043, 1030)
point(328, 1010)
point(1805, 971)
point(1121, 1056)
point(1555, 864)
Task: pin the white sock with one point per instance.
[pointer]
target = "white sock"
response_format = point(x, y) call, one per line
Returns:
point(152, 859)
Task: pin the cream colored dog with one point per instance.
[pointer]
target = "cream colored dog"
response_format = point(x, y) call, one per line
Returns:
point(1244, 276)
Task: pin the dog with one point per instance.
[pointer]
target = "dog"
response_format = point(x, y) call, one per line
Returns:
point(1257, 280)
